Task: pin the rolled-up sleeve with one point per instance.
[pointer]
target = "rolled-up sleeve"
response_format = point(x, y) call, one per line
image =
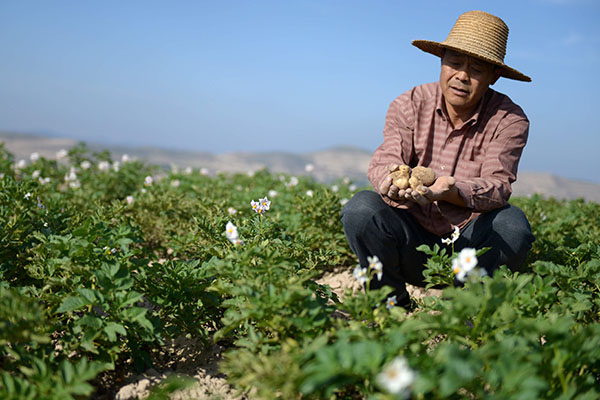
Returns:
point(397, 140)
point(493, 188)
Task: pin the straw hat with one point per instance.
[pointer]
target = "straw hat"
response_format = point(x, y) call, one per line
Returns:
point(478, 34)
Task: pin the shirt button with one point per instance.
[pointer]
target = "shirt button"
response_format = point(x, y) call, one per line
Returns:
point(443, 167)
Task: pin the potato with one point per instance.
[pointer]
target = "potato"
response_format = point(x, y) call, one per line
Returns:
point(404, 177)
point(400, 176)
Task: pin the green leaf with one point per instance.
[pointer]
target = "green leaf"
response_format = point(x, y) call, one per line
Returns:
point(112, 329)
point(72, 303)
point(90, 320)
point(67, 370)
point(88, 294)
point(8, 382)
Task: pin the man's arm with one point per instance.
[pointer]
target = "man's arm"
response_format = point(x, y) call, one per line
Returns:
point(498, 171)
point(396, 149)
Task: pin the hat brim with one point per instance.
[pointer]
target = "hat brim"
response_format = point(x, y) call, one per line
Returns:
point(437, 48)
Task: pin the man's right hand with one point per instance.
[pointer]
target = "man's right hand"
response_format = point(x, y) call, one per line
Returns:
point(388, 189)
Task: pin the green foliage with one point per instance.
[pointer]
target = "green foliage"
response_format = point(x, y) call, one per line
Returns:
point(100, 264)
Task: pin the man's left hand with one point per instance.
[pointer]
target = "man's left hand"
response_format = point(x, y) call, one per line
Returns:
point(441, 189)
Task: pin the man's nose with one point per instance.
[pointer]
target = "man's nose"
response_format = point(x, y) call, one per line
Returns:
point(462, 73)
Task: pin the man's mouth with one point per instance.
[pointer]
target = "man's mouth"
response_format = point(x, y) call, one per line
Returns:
point(459, 91)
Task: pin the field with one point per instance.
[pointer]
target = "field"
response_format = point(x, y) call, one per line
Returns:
point(108, 269)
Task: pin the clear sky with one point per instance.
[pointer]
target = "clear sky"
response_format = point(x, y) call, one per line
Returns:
point(297, 76)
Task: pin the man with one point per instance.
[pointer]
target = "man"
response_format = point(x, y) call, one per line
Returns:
point(472, 137)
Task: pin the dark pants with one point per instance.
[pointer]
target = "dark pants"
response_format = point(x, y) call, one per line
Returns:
point(374, 228)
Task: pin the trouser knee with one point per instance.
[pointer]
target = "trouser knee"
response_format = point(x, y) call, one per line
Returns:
point(510, 238)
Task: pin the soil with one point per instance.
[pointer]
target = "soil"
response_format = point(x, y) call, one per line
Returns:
point(191, 358)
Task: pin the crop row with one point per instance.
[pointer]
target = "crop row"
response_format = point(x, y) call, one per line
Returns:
point(101, 262)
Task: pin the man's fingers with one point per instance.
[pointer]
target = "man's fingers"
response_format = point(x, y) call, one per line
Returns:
point(385, 184)
point(419, 197)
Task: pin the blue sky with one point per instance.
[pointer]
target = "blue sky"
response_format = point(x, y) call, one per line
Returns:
point(295, 76)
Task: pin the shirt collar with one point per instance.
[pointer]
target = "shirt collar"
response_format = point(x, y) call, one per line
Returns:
point(441, 110)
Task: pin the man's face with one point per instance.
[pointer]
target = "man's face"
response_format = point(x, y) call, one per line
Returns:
point(464, 81)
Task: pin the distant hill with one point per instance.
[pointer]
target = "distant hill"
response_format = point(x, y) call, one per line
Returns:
point(329, 165)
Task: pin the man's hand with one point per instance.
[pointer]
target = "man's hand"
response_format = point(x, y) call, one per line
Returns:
point(442, 189)
point(388, 189)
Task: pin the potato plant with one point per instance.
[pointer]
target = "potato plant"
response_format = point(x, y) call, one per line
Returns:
point(102, 261)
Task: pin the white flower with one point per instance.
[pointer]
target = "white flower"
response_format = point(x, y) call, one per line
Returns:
point(103, 165)
point(463, 265)
point(148, 180)
point(175, 183)
point(391, 301)
point(453, 238)
point(346, 180)
point(44, 181)
point(261, 205)
point(309, 193)
point(125, 158)
point(143, 190)
point(293, 182)
point(344, 201)
point(232, 233)
point(35, 174)
point(21, 164)
point(34, 156)
point(265, 203)
point(27, 196)
point(335, 188)
point(231, 211)
point(71, 176)
point(309, 167)
point(129, 199)
point(352, 188)
point(204, 171)
point(361, 274)
point(188, 171)
point(116, 166)
point(250, 173)
point(256, 207)
point(231, 230)
point(397, 377)
point(85, 164)
point(273, 193)
point(376, 265)
point(468, 258)
point(62, 153)
point(75, 184)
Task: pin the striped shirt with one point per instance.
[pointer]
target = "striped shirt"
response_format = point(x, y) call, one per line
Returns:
point(482, 154)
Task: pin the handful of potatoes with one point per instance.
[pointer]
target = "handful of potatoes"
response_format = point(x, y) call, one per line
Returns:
point(404, 177)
